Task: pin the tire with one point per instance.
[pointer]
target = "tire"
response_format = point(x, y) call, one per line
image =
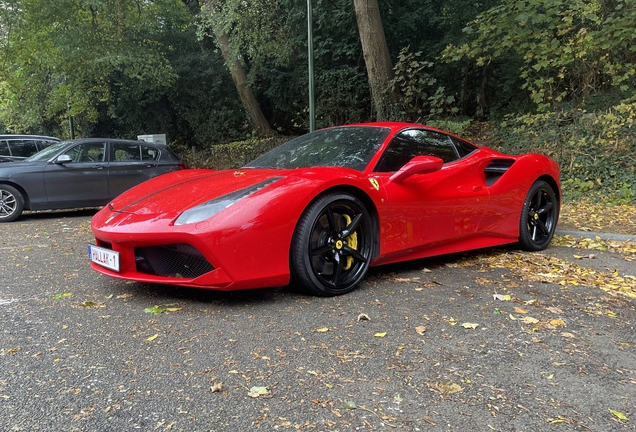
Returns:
point(332, 246)
point(11, 203)
point(539, 217)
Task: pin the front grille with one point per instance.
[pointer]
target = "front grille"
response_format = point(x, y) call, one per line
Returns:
point(174, 260)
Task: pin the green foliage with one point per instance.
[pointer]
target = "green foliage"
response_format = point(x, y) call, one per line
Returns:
point(595, 150)
point(569, 48)
point(422, 95)
point(228, 156)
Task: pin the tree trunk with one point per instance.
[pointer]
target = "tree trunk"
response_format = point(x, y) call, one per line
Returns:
point(239, 76)
point(376, 56)
point(245, 92)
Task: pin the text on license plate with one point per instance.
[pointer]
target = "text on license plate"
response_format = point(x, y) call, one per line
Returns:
point(104, 257)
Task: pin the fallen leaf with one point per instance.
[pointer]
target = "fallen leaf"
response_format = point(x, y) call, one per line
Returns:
point(501, 297)
point(557, 323)
point(322, 330)
point(420, 330)
point(521, 311)
point(554, 310)
point(471, 326)
point(529, 320)
point(61, 295)
point(217, 387)
point(349, 405)
point(380, 334)
point(151, 338)
point(619, 414)
point(363, 317)
point(568, 335)
point(154, 310)
point(258, 391)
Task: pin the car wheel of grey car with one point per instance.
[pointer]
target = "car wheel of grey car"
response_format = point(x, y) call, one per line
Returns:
point(539, 217)
point(332, 246)
point(11, 203)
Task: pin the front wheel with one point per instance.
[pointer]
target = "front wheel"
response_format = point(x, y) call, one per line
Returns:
point(539, 217)
point(332, 246)
point(11, 203)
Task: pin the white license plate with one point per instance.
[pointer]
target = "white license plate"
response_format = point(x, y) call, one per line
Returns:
point(104, 257)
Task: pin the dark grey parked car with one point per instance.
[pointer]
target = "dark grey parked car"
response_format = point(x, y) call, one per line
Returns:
point(18, 147)
point(80, 173)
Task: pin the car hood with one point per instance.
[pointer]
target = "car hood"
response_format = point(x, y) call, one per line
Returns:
point(176, 192)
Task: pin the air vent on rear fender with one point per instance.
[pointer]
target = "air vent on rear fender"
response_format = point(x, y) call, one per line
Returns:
point(496, 168)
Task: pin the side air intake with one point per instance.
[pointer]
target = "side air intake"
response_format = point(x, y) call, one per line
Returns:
point(496, 169)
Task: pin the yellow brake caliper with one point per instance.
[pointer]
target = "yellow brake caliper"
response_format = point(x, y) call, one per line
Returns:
point(352, 242)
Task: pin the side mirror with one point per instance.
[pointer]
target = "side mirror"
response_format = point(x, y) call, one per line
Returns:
point(62, 159)
point(417, 165)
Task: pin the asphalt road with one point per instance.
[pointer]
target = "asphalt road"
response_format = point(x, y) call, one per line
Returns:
point(80, 352)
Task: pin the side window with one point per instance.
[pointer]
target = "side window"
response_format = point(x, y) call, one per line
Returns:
point(463, 147)
point(149, 153)
point(22, 148)
point(87, 152)
point(126, 152)
point(410, 143)
point(4, 149)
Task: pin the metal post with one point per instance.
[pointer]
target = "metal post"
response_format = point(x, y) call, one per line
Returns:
point(70, 120)
point(310, 52)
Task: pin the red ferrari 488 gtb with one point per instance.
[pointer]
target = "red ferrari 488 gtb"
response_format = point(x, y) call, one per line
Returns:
point(324, 207)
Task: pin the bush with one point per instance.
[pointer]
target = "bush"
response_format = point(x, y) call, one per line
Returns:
point(596, 151)
point(228, 156)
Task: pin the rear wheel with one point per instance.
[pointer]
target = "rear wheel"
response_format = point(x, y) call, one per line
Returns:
point(11, 203)
point(332, 246)
point(539, 217)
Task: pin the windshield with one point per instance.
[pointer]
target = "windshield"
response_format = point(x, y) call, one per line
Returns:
point(47, 153)
point(350, 147)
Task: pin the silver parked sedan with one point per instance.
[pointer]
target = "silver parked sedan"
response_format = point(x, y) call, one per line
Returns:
point(80, 173)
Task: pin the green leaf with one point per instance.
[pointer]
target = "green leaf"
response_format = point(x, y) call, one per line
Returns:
point(619, 414)
point(154, 310)
point(350, 405)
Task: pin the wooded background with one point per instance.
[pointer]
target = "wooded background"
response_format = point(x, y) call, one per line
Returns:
point(557, 76)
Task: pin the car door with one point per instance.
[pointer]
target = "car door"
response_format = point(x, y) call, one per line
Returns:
point(429, 209)
point(131, 164)
point(81, 182)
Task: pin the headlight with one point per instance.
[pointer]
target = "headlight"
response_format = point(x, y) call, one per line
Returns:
point(217, 205)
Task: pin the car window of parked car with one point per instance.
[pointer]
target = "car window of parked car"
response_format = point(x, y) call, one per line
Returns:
point(87, 152)
point(4, 149)
point(415, 142)
point(22, 148)
point(149, 153)
point(134, 152)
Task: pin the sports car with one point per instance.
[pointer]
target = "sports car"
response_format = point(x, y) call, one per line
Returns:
point(319, 210)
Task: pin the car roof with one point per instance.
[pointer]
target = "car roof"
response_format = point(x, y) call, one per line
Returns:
point(18, 136)
point(115, 140)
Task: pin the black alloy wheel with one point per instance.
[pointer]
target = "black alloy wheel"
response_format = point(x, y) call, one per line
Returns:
point(539, 217)
point(11, 203)
point(332, 246)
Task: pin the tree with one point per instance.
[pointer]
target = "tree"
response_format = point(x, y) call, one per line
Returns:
point(209, 19)
point(376, 56)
